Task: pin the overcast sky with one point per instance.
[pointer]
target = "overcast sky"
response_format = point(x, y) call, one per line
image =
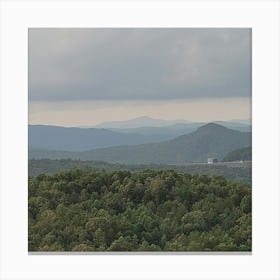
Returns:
point(87, 76)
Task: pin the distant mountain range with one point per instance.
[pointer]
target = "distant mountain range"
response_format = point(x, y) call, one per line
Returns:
point(83, 139)
point(147, 122)
point(174, 130)
point(210, 140)
point(140, 122)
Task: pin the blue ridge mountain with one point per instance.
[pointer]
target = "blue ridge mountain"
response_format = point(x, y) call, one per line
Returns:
point(210, 140)
point(82, 139)
point(143, 121)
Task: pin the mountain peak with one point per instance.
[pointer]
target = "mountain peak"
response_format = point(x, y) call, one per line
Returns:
point(212, 127)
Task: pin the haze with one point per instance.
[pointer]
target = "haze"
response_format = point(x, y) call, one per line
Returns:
point(83, 77)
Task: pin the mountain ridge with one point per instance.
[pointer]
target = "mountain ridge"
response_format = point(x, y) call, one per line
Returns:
point(210, 140)
point(81, 139)
point(142, 121)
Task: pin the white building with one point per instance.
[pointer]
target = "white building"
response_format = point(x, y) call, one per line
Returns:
point(212, 160)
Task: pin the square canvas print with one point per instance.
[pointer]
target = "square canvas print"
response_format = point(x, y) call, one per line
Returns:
point(139, 140)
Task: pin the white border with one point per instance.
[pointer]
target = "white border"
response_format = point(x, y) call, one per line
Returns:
point(262, 16)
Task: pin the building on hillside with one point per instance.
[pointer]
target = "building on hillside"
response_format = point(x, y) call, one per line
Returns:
point(212, 160)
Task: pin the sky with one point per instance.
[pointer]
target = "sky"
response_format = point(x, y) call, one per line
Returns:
point(86, 76)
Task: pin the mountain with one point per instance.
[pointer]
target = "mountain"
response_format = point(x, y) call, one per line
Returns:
point(82, 139)
point(239, 154)
point(171, 131)
point(210, 140)
point(146, 125)
point(174, 130)
point(139, 122)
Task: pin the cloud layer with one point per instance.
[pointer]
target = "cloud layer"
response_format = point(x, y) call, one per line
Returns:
point(138, 64)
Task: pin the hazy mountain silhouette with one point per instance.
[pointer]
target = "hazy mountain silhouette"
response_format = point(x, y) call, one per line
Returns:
point(82, 139)
point(210, 140)
point(139, 122)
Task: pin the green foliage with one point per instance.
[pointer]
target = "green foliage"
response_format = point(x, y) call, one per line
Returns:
point(83, 210)
point(237, 171)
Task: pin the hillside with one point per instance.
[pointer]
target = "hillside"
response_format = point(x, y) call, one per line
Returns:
point(236, 172)
point(49, 137)
point(239, 154)
point(178, 129)
point(146, 211)
point(82, 139)
point(211, 140)
point(171, 131)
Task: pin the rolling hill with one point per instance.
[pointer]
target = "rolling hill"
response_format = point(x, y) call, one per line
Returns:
point(239, 154)
point(147, 125)
point(82, 139)
point(210, 140)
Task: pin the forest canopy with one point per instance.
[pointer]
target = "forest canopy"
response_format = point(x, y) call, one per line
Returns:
point(85, 210)
point(235, 171)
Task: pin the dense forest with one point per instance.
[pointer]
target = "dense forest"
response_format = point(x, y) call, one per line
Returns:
point(235, 171)
point(86, 210)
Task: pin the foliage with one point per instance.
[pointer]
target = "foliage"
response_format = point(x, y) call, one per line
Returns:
point(237, 172)
point(84, 210)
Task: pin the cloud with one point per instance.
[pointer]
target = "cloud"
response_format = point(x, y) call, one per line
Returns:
point(138, 64)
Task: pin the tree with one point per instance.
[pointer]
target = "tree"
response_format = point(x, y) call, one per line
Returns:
point(147, 211)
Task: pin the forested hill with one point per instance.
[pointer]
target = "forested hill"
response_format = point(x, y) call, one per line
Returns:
point(211, 140)
point(81, 139)
point(147, 211)
point(239, 154)
point(236, 171)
